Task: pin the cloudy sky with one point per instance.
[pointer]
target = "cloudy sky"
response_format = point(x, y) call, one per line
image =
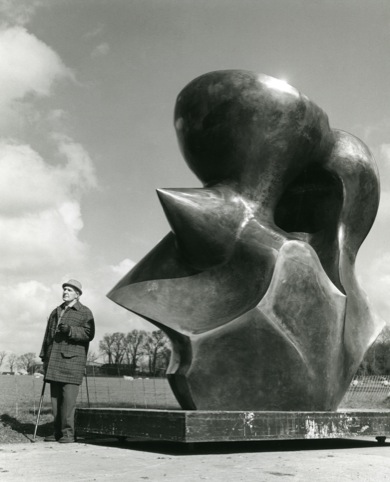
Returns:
point(87, 91)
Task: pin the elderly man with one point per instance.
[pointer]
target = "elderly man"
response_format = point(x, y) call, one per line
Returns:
point(69, 330)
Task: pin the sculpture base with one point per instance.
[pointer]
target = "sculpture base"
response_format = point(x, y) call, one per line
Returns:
point(218, 426)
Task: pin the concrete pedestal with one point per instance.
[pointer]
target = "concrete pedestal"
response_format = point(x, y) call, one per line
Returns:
point(218, 426)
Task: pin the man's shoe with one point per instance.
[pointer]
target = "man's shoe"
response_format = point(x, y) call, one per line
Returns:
point(51, 438)
point(66, 440)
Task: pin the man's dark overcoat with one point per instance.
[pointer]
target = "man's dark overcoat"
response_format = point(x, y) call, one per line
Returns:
point(64, 356)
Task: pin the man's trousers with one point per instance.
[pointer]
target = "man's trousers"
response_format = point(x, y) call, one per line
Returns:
point(63, 402)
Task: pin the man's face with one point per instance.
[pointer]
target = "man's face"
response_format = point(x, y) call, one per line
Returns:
point(69, 294)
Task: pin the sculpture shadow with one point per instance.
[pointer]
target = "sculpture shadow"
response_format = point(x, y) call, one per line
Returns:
point(180, 449)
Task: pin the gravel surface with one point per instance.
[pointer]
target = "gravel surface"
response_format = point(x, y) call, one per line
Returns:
point(99, 461)
point(9, 436)
point(13, 431)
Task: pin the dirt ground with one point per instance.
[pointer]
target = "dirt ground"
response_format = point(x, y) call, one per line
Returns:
point(107, 459)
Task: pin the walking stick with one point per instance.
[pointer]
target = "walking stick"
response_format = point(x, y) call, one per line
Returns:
point(39, 409)
point(86, 386)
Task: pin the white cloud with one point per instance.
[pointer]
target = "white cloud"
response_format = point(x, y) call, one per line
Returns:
point(40, 214)
point(40, 197)
point(40, 242)
point(29, 184)
point(377, 285)
point(20, 328)
point(32, 292)
point(96, 32)
point(100, 50)
point(80, 170)
point(19, 12)
point(71, 215)
point(384, 155)
point(27, 66)
point(123, 267)
point(384, 207)
point(57, 116)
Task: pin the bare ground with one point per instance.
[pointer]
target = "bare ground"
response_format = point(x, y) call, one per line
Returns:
point(15, 431)
point(102, 460)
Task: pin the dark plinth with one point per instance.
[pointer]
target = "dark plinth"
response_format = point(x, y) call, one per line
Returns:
point(222, 426)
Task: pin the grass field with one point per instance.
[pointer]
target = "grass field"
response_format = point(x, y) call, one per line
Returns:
point(369, 392)
point(20, 395)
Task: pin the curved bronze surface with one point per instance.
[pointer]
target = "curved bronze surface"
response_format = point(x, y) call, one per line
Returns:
point(255, 285)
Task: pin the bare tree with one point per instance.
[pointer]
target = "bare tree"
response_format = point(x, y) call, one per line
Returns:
point(134, 347)
point(27, 361)
point(3, 354)
point(384, 336)
point(165, 355)
point(118, 347)
point(156, 346)
point(105, 346)
point(376, 361)
point(113, 347)
point(12, 362)
point(92, 357)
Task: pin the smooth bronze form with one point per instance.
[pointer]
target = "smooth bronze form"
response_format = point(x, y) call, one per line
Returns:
point(255, 285)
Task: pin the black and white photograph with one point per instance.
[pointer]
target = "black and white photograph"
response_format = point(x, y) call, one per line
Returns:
point(194, 240)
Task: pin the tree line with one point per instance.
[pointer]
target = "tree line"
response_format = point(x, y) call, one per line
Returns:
point(123, 354)
point(377, 358)
point(18, 362)
point(149, 353)
point(138, 351)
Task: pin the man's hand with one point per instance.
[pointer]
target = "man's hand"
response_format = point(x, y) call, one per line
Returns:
point(63, 328)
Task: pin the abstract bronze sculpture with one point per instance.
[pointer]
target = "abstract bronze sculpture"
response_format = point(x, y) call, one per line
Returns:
point(255, 285)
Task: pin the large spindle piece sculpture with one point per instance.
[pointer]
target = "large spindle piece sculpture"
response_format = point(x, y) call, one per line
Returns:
point(255, 285)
